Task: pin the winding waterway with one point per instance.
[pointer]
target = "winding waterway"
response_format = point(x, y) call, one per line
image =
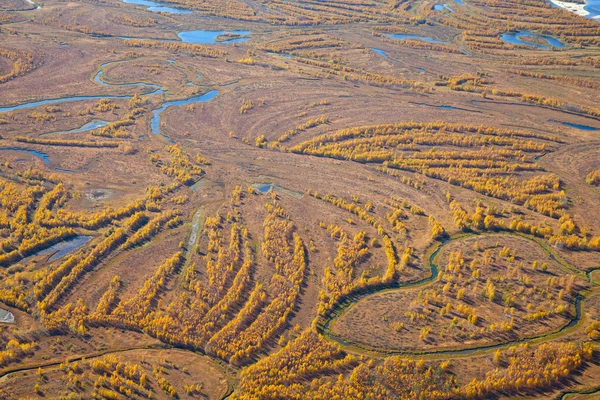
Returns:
point(155, 121)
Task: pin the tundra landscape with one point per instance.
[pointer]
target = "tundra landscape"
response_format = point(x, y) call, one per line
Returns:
point(299, 199)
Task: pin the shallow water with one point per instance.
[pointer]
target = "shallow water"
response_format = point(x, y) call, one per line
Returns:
point(64, 248)
point(264, 188)
point(155, 121)
point(442, 7)
point(209, 37)
point(38, 154)
point(98, 79)
point(158, 7)
point(516, 38)
point(57, 100)
point(576, 126)
point(403, 36)
point(88, 126)
point(382, 53)
point(6, 316)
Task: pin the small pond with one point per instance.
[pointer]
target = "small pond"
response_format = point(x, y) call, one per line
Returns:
point(158, 7)
point(404, 36)
point(521, 38)
point(210, 37)
point(38, 154)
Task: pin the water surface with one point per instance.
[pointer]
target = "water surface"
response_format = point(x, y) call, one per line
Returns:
point(6, 316)
point(576, 126)
point(264, 188)
point(38, 154)
point(155, 121)
point(209, 37)
point(442, 7)
point(382, 53)
point(520, 38)
point(64, 248)
point(403, 36)
point(591, 9)
point(158, 7)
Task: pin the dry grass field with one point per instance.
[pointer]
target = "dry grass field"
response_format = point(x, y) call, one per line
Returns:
point(297, 199)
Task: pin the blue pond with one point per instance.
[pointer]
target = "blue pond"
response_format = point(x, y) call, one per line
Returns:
point(459, 1)
point(264, 188)
point(63, 248)
point(382, 53)
point(442, 7)
point(520, 38)
point(403, 36)
point(40, 155)
point(158, 7)
point(155, 121)
point(208, 37)
point(93, 124)
point(576, 126)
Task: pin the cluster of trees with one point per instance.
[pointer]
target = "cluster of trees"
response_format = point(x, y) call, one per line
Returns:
point(180, 166)
point(421, 44)
point(23, 61)
point(74, 26)
point(57, 198)
point(61, 280)
point(247, 105)
point(68, 142)
point(300, 360)
point(121, 376)
point(281, 12)
point(290, 373)
point(538, 100)
point(29, 239)
point(166, 219)
point(177, 47)
point(491, 169)
point(128, 20)
point(136, 310)
point(311, 123)
point(343, 283)
point(483, 27)
point(516, 296)
point(115, 129)
point(355, 74)
point(568, 80)
point(416, 183)
point(593, 178)
point(341, 280)
point(569, 235)
point(308, 40)
point(109, 299)
point(14, 351)
point(285, 250)
point(218, 311)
